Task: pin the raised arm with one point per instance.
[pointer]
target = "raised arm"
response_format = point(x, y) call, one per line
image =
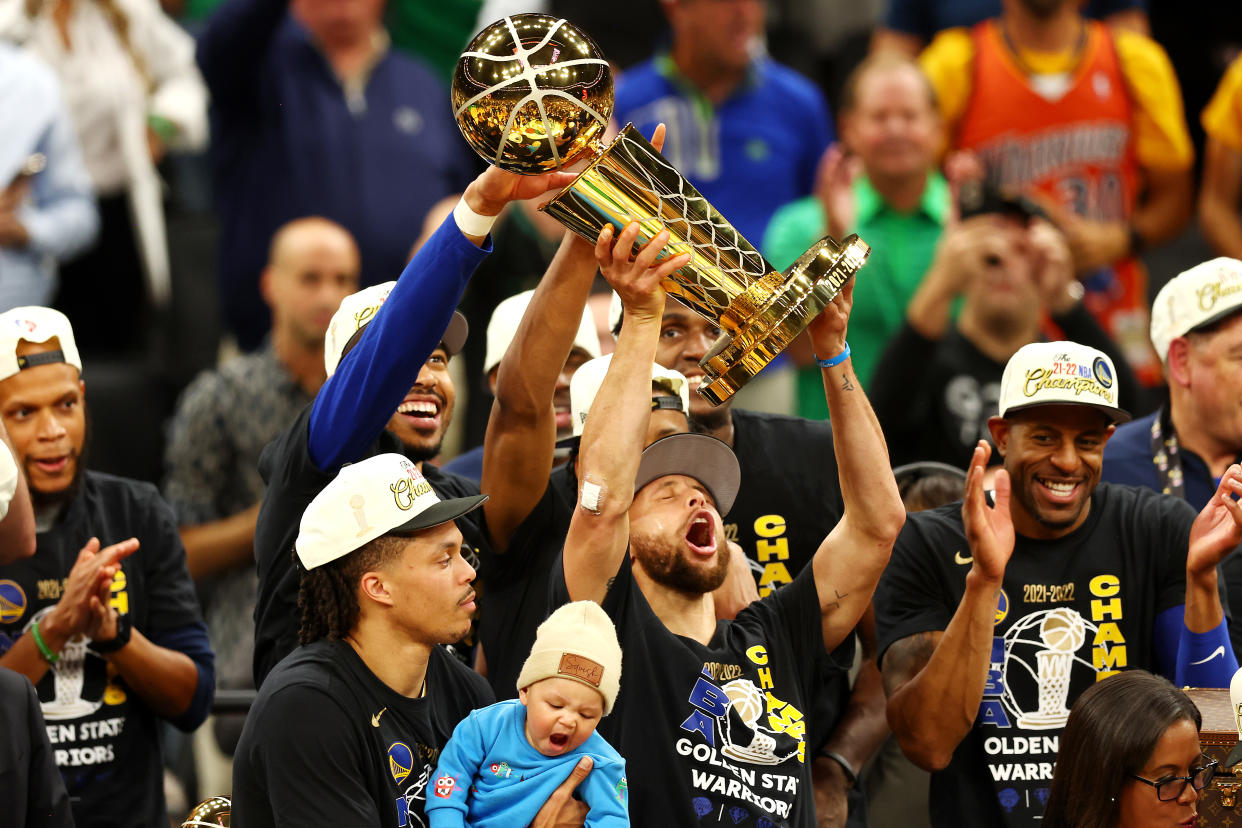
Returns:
point(935, 680)
point(612, 442)
point(848, 563)
point(521, 433)
point(232, 49)
point(357, 401)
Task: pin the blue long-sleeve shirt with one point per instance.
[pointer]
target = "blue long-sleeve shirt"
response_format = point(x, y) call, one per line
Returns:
point(290, 140)
point(490, 776)
point(59, 213)
point(356, 402)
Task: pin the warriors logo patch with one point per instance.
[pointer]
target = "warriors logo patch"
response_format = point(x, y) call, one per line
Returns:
point(400, 761)
point(12, 602)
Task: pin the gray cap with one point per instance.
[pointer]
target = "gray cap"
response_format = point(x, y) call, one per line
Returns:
point(706, 459)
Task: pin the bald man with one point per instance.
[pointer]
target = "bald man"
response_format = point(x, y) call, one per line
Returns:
point(226, 417)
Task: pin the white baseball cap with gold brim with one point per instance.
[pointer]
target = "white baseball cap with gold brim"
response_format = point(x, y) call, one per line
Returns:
point(1194, 299)
point(384, 494)
point(359, 308)
point(1060, 373)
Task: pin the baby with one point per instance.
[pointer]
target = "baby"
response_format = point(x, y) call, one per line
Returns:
point(504, 761)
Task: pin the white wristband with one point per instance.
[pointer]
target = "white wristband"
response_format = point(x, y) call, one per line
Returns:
point(469, 222)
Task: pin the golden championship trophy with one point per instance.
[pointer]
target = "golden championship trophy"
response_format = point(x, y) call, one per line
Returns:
point(210, 813)
point(532, 93)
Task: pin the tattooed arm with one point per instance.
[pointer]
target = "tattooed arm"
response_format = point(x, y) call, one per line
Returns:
point(935, 680)
point(848, 563)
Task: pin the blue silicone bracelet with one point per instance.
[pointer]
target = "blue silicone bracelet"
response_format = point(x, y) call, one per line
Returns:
point(836, 360)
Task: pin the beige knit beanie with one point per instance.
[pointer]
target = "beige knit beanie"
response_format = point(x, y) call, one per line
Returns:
point(577, 642)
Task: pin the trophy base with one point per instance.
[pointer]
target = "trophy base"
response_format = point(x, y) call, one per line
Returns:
point(807, 287)
point(1043, 721)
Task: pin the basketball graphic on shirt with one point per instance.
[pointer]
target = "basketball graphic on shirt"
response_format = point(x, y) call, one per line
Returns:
point(532, 93)
point(78, 678)
point(743, 736)
point(1063, 630)
point(746, 700)
point(1041, 649)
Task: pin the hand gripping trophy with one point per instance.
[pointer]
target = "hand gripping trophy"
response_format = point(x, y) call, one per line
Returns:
point(532, 93)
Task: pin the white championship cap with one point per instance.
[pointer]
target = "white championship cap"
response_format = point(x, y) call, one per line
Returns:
point(503, 325)
point(1060, 373)
point(35, 324)
point(590, 376)
point(380, 495)
point(359, 308)
point(1194, 299)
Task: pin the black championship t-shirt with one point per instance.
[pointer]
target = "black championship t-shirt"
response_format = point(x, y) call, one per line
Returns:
point(104, 738)
point(717, 734)
point(292, 483)
point(1071, 612)
point(327, 743)
point(32, 793)
point(514, 585)
point(789, 500)
point(790, 497)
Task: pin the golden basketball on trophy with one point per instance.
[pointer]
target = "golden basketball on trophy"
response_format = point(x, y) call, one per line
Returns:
point(533, 93)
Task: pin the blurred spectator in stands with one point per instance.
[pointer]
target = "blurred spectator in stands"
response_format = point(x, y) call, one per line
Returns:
point(226, 417)
point(938, 381)
point(111, 637)
point(625, 39)
point(129, 82)
point(1088, 121)
point(313, 113)
point(881, 183)
point(746, 131)
point(1221, 195)
point(1184, 448)
point(911, 24)
point(47, 212)
point(501, 329)
point(435, 31)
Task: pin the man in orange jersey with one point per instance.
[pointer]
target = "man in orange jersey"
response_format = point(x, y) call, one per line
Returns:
point(1221, 194)
point(1088, 122)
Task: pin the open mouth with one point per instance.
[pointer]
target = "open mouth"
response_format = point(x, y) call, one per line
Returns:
point(559, 739)
point(701, 536)
point(421, 414)
point(52, 465)
point(1059, 491)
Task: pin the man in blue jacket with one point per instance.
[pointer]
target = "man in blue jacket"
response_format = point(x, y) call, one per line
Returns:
point(313, 114)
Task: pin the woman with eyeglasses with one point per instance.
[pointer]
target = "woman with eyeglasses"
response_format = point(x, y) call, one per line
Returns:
point(1129, 757)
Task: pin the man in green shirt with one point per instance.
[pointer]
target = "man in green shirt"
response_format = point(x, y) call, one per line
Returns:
point(888, 191)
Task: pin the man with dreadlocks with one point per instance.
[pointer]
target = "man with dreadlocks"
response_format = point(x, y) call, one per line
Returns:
point(348, 728)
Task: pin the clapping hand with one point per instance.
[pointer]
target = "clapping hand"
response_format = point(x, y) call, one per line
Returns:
point(989, 529)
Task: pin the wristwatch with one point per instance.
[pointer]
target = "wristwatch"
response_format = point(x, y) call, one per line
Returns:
point(123, 628)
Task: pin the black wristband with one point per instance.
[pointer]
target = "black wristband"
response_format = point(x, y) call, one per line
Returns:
point(123, 628)
point(850, 775)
